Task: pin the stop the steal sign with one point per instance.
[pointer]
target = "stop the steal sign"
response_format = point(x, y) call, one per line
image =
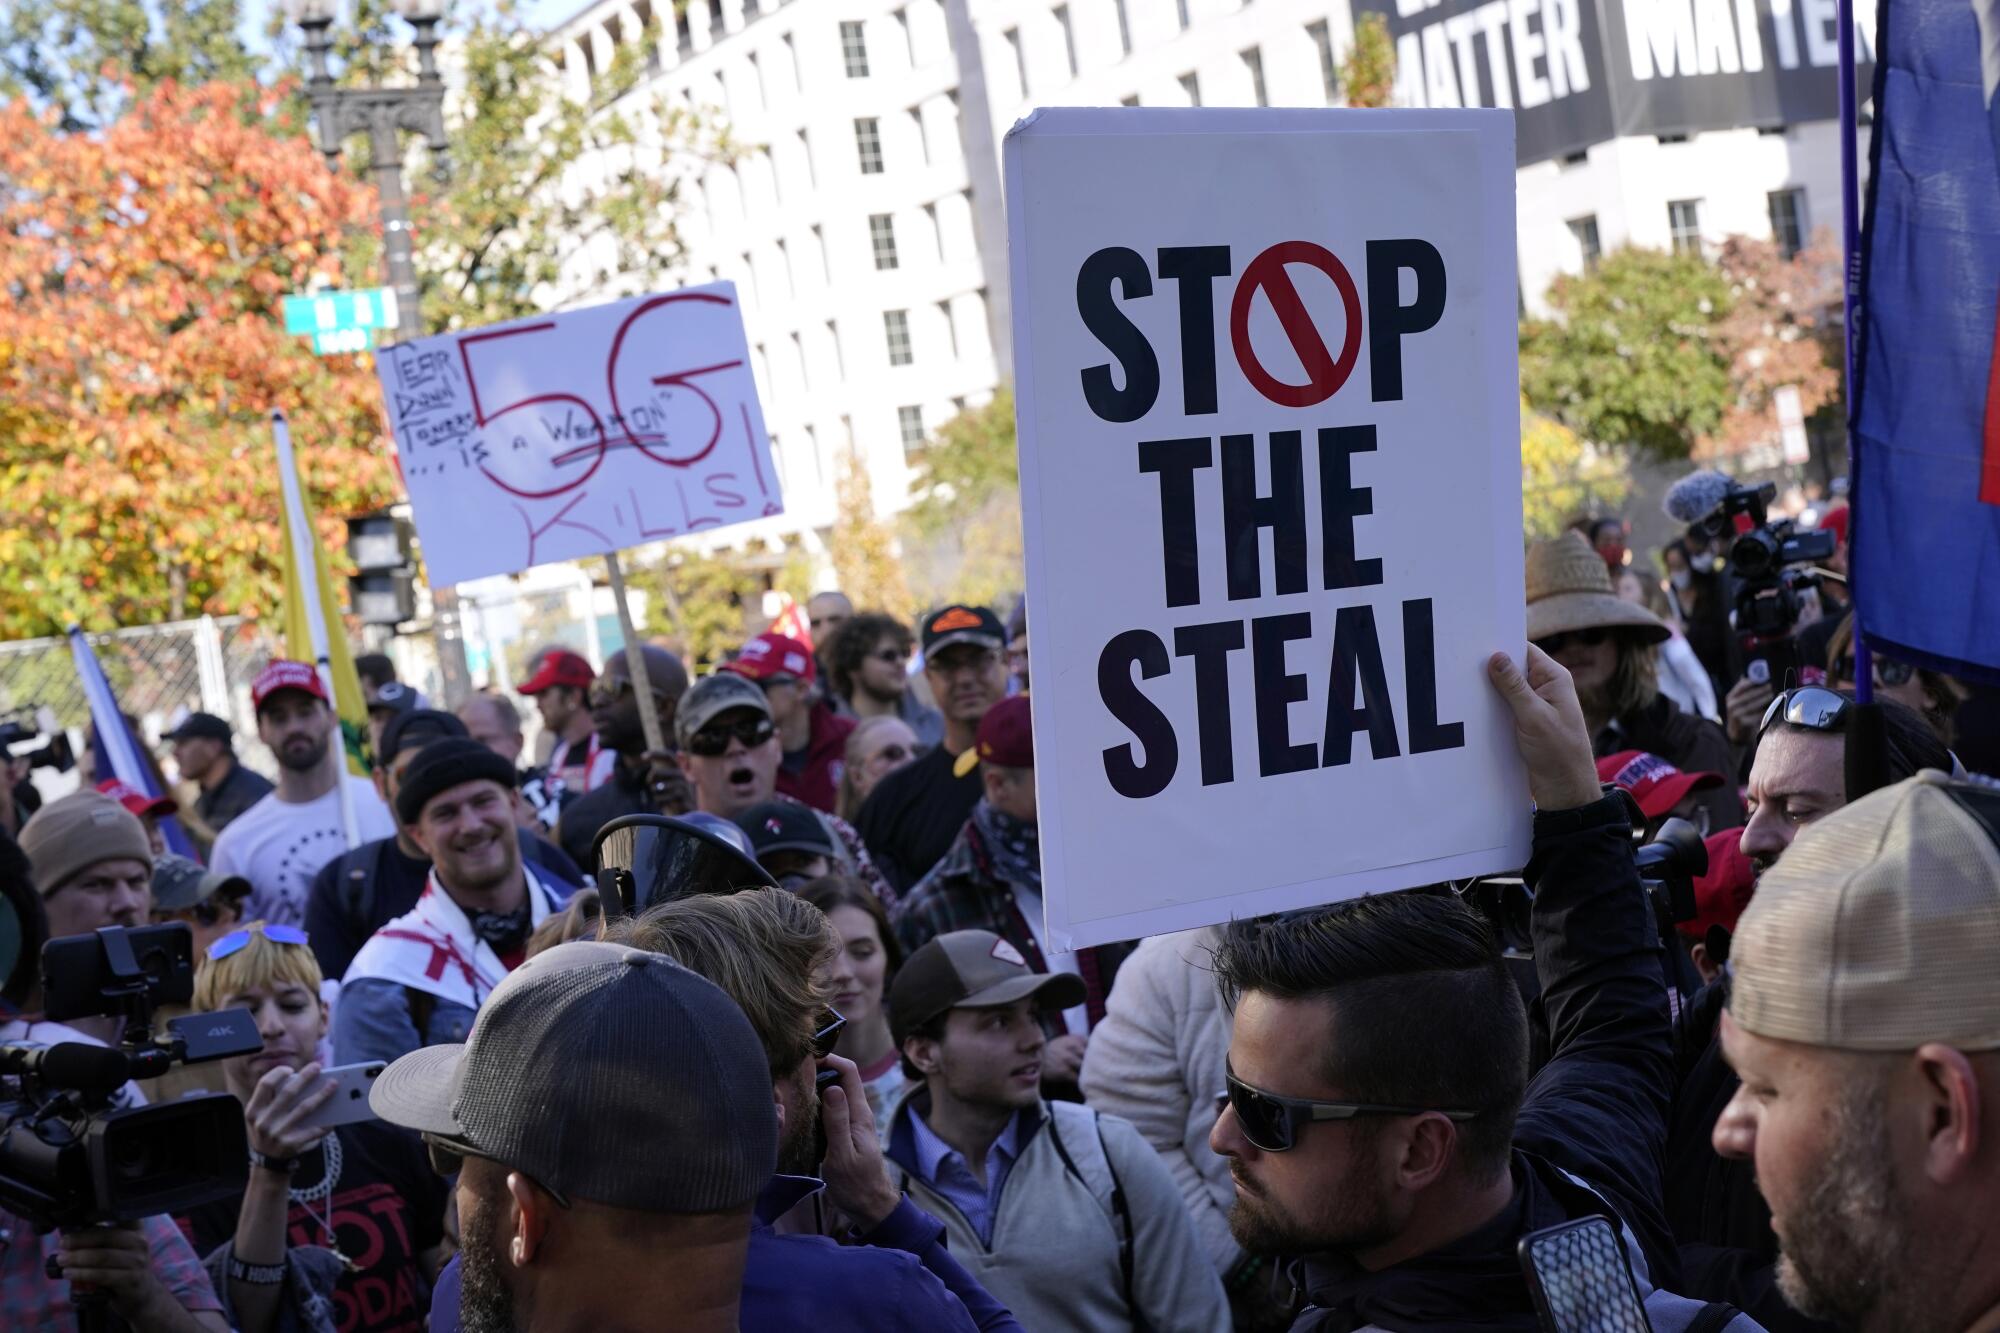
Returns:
point(1270, 466)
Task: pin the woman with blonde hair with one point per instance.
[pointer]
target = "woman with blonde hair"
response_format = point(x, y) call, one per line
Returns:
point(877, 747)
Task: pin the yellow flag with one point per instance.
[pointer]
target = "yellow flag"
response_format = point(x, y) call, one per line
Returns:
point(348, 701)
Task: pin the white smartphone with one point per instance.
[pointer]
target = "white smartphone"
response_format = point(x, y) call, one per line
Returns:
point(349, 1103)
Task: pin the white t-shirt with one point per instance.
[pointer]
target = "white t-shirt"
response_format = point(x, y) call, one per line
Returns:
point(279, 846)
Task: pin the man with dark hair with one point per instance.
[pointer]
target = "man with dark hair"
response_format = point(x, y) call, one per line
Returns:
point(641, 783)
point(556, 1233)
point(359, 892)
point(560, 687)
point(375, 670)
point(480, 905)
point(912, 816)
point(205, 753)
point(281, 842)
point(868, 675)
point(1380, 1118)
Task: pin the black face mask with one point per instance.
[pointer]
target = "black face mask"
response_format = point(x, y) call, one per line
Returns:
point(507, 932)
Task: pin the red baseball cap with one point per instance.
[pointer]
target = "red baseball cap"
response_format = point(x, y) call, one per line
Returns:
point(560, 667)
point(137, 801)
point(283, 674)
point(1006, 737)
point(1654, 783)
point(769, 656)
point(1721, 895)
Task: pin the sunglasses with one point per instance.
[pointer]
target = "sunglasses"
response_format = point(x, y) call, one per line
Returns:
point(895, 754)
point(1271, 1122)
point(1811, 706)
point(234, 941)
point(1886, 671)
point(893, 656)
point(608, 690)
point(711, 741)
point(828, 1036)
point(1589, 638)
point(448, 1159)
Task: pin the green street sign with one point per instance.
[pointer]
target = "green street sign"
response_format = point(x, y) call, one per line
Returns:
point(342, 341)
point(334, 312)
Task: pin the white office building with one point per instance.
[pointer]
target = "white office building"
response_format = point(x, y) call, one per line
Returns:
point(864, 225)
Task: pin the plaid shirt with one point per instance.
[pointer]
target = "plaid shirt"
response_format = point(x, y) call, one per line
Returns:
point(32, 1303)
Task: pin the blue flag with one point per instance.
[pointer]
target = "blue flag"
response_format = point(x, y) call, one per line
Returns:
point(1926, 516)
point(117, 753)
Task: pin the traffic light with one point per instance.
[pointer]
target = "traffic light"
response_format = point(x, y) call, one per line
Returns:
point(382, 591)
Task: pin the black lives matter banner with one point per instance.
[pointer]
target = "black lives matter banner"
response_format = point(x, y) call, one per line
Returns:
point(1579, 72)
point(1246, 412)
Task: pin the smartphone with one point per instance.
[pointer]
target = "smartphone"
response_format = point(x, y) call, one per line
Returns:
point(349, 1103)
point(1581, 1280)
point(822, 1080)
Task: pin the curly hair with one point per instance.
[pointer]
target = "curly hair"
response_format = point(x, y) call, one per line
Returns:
point(852, 643)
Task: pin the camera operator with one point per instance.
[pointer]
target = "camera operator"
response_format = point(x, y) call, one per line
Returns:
point(1381, 1121)
point(353, 1217)
point(94, 867)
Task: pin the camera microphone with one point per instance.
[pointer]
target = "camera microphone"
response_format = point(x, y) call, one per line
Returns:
point(1696, 496)
point(67, 1064)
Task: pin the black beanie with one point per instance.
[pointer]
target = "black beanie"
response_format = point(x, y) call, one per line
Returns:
point(444, 764)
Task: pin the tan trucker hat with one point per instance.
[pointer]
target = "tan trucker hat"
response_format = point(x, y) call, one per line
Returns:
point(1879, 929)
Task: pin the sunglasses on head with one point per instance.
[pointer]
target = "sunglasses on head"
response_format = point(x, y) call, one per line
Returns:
point(828, 1035)
point(1589, 638)
point(1886, 671)
point(448, 1156)
point(1811, 706)
point(1271, 1123)
point(713, 740)
point(234, 941)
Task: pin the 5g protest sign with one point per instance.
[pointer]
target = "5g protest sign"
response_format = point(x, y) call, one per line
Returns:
point(579, 433)
point(1270, 471)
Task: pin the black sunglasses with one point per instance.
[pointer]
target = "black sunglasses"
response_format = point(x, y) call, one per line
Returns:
point(1886, 670)
point(448, 1156)
point(828, 1035)
point(1271, 1122)
point(714, 739)
point(1589, 638)
point(1811, 706)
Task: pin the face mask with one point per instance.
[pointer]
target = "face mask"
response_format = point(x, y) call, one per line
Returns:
point(1681, 578)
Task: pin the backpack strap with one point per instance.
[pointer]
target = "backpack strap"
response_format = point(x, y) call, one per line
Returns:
point(1100, 1177)
point(423, 1008)
point(1714, 1317)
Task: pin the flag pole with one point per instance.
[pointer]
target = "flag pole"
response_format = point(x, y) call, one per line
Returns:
point(635, 659)
point(305, 561)
point(1850, 251)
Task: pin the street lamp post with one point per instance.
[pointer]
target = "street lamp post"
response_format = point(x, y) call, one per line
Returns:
point(383, 113)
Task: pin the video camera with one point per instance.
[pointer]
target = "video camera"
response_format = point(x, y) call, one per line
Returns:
point(71, 1154)
point(1766, 562)
point(26, 725)
point(1668, 868)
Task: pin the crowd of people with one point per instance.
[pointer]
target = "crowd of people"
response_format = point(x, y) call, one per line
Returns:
point(847, 1081)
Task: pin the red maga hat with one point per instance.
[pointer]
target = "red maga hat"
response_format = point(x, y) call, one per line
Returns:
point(1654, 783)
point(283, 674)
point(769, 656)
point(560, 667)
point(1721, 895)
point(137, 801)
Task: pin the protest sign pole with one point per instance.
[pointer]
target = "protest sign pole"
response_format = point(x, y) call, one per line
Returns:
point(1850, 270)
point(303, 560)
point(642, 683)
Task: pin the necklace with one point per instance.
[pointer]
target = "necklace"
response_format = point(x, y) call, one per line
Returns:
point(306, 1198)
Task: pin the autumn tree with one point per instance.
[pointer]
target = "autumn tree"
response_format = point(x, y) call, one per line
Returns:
point(864, 548)
point(1368, 71)
point(1563, 476)
point(141, 352)
point(85, 58)
point(1782, 327)
point(965, 524)
point(708, 600)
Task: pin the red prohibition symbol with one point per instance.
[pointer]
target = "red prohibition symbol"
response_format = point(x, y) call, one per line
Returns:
point(1325, 373)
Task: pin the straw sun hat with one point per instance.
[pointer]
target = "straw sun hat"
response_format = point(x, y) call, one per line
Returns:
point(1569, 588)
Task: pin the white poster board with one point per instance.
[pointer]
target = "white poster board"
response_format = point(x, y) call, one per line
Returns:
point(578, 433)
point(1270, 476)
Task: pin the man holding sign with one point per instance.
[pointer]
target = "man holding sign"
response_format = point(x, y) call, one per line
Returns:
point(1236, 405)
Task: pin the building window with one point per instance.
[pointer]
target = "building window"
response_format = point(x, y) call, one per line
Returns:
point(1253, 61)
point(896, 325)
point(1788, 220)
point(854, 50)
point(910, 422)
point(1069, 37)
point(1124, 28)
point(868, 142)
point(1013, 36)
point(1684, 226)
point(1584, 229)
point(1181, 13)
point(1329, 71)
point(882, 235)
point(1192, 87)
point(950, 327)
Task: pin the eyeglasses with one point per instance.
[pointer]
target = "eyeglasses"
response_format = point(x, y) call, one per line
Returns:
point(828, 1036)
point(1271, 1122)
point(714, 739)
point(972, 659)
point(894, 754)
point(1589, 638)
point(1811, 706)
point(234, 941)
point(1887, 671)
point(448, 1156)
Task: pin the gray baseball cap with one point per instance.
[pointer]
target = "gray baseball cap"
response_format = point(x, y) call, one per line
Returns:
point(179, 883)
point(971, 969)
point(590, 1042)
point(712, 696)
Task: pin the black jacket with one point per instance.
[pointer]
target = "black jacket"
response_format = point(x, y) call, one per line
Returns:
point(1691, 744)
point(623, 794)
point(1597, 1109)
